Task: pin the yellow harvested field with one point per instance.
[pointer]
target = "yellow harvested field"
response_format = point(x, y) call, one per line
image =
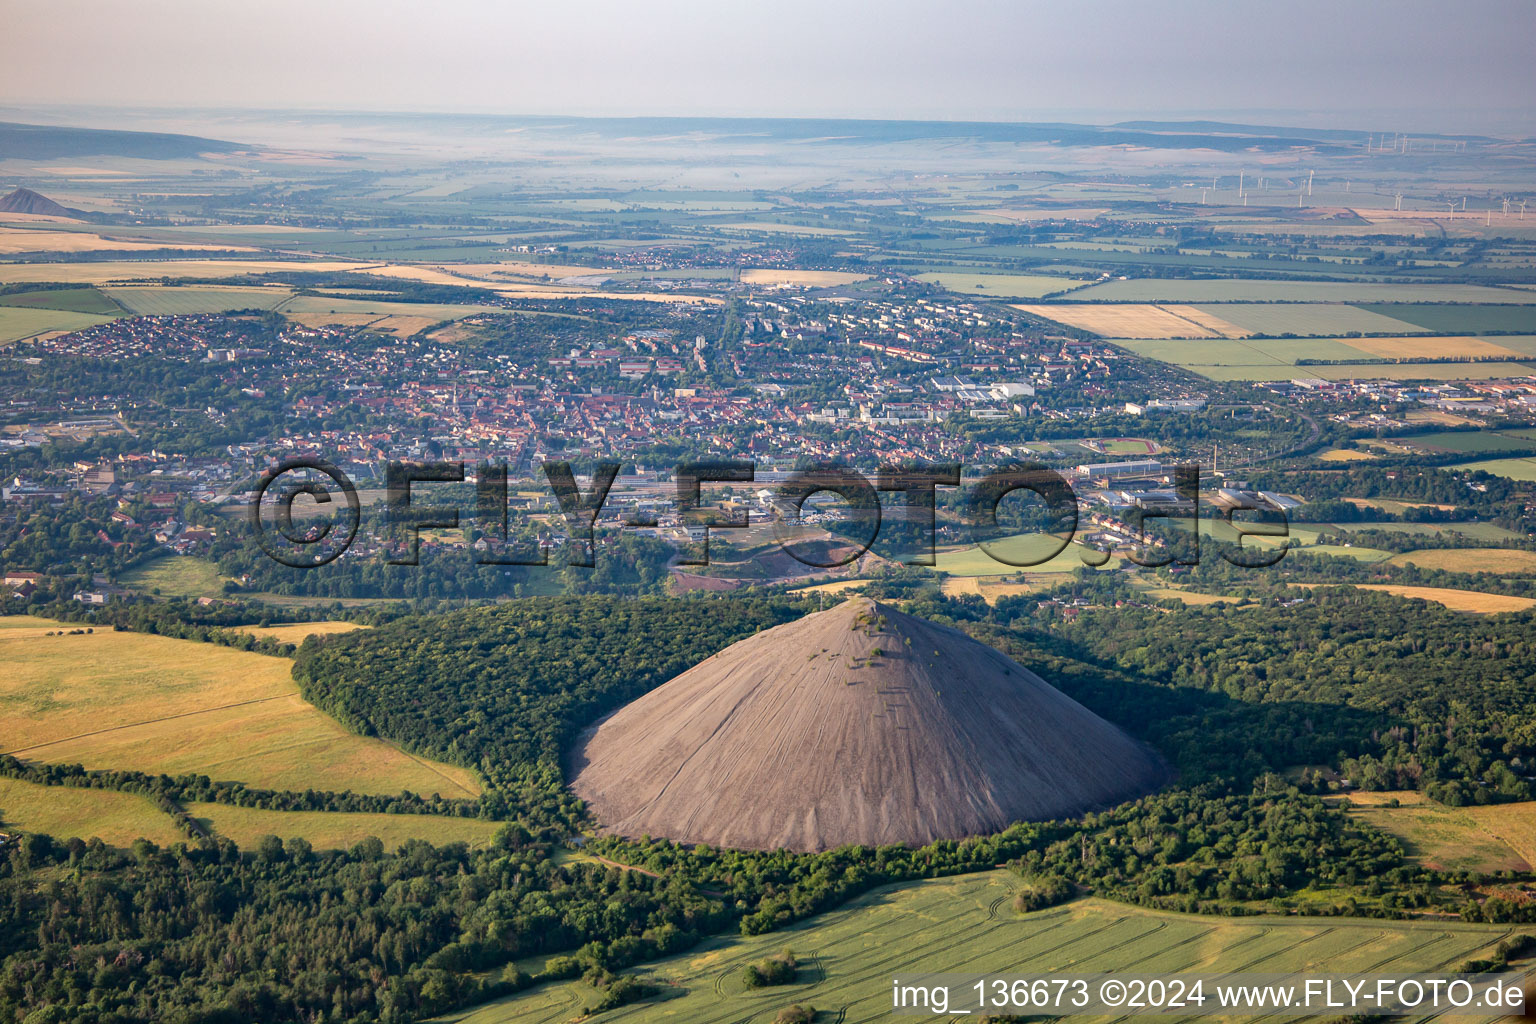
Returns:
point(1346, 455)
point(326, 830)
point(67, 813)
point(1430, 348)
point(295, 632)
point(14, 240)
point(1496, 560)
point(1515, 824)
point(157, 704)
point(1209, 321)
point(107, 271)
point(1122, 320)
point(836, 587)
point(809, 278)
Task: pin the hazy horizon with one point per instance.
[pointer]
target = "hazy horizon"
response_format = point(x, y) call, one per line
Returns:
point(1414, 66)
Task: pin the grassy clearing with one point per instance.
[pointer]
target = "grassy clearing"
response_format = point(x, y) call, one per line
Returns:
point(1515, 469)
point(964, 925)
point(60, 811)
point(1455, 600)
point(176, 576)
point(1001, 286)
point(1187, 596)
point(174, 300)
point(1505, 561)
point(157, 704)
point(18, 323)
point(990, 590)
point(807, 278)
point(1470, 441)
point(339, 831)
point(430, 312)
point(1445, 838)
point(1515, 824)
point(971, 560)
point(296, 632)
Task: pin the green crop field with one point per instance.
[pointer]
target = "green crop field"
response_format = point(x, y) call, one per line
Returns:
point(1228, 290)
point(965, 925)
point(158, 704)
point(76, 300)
point(168, 300)
point(326, 830)
point(1463, 319)
point(65, 813)
point(1002, 286)
point(1309, 319)
point(1515, 469)
point(20, 322)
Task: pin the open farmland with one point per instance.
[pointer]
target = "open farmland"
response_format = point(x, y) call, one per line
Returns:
point(1240, 359)
point(1002, 286)
point(964, 925)
point(106, 271)
point(157, 704)
point(75, 300)
point(332, 830)
point(18, 323)
point(1306, 319)
point(1123, 321)
point(1231, 290)
point(172, 300)
point(1439, 837)
point(1463, 319)
point(65, 812)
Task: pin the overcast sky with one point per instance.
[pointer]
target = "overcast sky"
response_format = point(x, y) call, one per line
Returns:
point(1445, 65)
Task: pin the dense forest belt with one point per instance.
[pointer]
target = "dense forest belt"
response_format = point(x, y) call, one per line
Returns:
point(201, 789)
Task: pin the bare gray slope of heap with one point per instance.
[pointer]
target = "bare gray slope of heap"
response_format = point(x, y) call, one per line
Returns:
point(859, 724)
